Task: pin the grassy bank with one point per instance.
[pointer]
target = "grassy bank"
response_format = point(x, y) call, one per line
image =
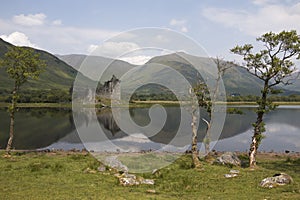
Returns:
point(61, 175)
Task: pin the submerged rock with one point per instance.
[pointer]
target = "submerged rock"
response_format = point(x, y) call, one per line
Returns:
point(276, 180)
point(229, 158)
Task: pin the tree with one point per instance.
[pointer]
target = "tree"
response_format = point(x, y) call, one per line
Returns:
point(273, 65)
point(205, 99)
point(21, 63)
point(194, 149)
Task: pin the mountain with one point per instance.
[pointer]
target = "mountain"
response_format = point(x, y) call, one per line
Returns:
point(62, 70)
point(57, 74)
point(97, 67)
point(236, 79)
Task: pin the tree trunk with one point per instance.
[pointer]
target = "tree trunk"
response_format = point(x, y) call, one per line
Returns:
point(11, 132)
point(207, 138)
point(258, 127)
point(255, 142)
point(12, 110)
point(196, 160)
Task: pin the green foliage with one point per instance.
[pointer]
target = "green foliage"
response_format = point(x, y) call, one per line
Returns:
point(41, 96)
point(21, 64)
point(273, 65)
point(203, 96)
point(272, 98)
point(234, 111)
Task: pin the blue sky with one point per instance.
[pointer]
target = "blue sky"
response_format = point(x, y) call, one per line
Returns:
point(69, 26)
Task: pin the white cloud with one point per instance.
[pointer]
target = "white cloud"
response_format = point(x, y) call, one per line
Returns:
point(261, 2)
point(175, 22)
point(161, 39)
point(136, 60)
point(113, 49)
point(18, 39)
point(30, 20)
point(57, 22)
point(59, 39)
point(92, 48)
point(268, 17)
point(181, 24)
point(184, 29)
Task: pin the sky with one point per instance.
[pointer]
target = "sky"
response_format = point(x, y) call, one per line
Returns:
point(79, 26)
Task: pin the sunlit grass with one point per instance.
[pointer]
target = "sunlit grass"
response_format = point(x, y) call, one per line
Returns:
point(61, 176)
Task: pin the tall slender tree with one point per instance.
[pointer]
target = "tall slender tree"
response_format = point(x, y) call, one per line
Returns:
point(21, 63)
point(207, 97)
point(273, 65)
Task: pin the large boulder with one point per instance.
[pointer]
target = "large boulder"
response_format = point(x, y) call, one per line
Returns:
point(113, 162)
point(126, 179)
point(228, 158)
point(276, 180)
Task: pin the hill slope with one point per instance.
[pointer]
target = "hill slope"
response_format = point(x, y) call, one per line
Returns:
point(236, 79)
point(57, 75)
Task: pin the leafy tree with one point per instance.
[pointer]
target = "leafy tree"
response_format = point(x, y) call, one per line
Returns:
point(273, 65)
point(21, 63)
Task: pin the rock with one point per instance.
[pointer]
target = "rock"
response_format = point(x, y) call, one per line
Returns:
point(155, 171)
point(126, 175)
point(234, 171)
point(230, 175)
point(147, 181)
point(151, 191)
point(101, 168)
point(113, 162)
point(229, 158)
point(128, 181)
point(276, 180)
point(89, 171)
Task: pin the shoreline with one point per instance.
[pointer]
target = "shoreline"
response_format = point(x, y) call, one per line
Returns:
point(84, 151)
point(136, 104)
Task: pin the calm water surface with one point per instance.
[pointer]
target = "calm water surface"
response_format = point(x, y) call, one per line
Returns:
point(54, 128)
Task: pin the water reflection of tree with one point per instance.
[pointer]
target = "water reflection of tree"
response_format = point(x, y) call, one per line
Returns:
point(39, 127)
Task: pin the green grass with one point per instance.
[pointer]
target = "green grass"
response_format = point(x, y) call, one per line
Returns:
point(61, 176)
